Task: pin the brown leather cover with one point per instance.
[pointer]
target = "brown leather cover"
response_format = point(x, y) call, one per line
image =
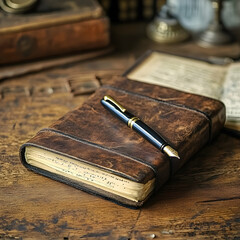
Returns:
point(91, 134)
point(53, 28)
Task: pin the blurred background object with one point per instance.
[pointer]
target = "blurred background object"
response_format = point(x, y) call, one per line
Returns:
point(59, 27)
point(216, 33)
point(131, 10)
point(194, 16)
point(165, 28)
point(52, 28)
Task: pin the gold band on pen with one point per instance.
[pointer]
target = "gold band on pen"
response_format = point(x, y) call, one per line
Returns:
point(132, 121)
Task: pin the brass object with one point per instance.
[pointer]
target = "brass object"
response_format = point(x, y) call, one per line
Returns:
point(166, 29)
point(108, 98)
point(17, 6)
point(216, 33)
point(8, 9)
point(20, 4)
point(132, 121)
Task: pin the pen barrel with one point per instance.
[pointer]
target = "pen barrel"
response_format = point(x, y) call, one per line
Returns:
point(123, 116)
point(149, 134)
point(136, 124)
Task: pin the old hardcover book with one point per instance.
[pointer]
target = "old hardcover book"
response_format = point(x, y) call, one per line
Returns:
point(53, 28)
point(92, 150)
point(220, 82)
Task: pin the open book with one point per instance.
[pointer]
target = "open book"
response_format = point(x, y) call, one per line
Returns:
point(194, 76)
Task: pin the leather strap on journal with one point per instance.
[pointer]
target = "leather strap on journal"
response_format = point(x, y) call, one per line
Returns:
point(174, 164)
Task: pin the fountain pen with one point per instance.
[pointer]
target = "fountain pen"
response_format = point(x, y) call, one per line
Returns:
point(140, 127)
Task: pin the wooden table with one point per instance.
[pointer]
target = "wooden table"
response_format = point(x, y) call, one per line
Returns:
point(202, 201)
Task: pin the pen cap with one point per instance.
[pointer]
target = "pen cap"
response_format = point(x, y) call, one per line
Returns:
point(123, 116)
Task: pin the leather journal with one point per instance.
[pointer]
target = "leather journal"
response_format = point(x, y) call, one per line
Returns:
point(90, 149)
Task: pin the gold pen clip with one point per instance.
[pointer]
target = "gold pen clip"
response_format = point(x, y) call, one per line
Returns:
point(108, 98)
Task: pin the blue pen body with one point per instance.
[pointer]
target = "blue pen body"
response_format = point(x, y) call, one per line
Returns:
point(136, 124)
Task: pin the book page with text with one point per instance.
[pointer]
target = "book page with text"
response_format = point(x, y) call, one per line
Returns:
point(83, 172)
point(231, 93)
point(181, 73)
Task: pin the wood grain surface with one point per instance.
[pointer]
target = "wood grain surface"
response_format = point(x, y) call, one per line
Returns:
point(202, 201)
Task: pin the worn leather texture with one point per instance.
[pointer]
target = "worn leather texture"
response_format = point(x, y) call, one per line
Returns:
point(93, 135)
